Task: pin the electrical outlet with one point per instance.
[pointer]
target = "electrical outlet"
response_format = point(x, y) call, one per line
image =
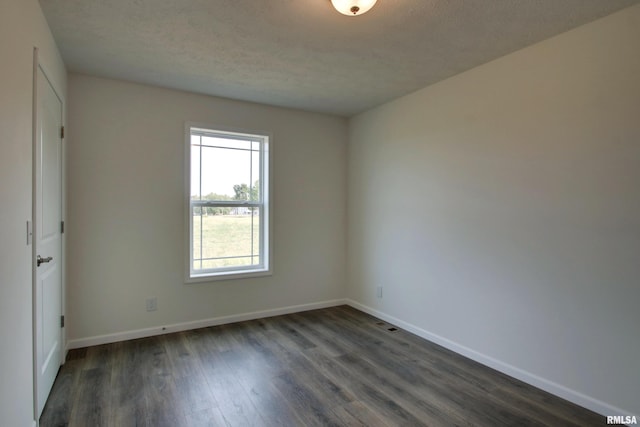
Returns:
point(379, 291)
point(152, 303)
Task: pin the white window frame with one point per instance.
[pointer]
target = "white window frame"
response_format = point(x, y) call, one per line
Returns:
point(266, 244)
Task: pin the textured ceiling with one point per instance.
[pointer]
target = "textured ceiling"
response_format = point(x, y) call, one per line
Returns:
point(302, 53)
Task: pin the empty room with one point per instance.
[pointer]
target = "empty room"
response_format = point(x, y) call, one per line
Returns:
point(319, 212)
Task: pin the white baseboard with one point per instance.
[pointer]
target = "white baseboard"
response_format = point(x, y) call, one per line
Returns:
point(549, 386)
point(185, 326)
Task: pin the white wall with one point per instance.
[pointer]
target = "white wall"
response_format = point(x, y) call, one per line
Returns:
point(126, 215)
point(500, 210)
point(22, 27)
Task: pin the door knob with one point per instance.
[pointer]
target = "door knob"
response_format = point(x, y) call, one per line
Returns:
point(40, 260)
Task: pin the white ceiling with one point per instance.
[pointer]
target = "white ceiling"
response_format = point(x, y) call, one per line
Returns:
point(302, 53)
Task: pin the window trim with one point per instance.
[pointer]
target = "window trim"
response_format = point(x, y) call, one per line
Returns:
point(266, 217)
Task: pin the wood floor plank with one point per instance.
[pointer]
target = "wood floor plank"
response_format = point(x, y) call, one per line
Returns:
point(326, 341)
point(210, 417)
point(160, 389)
point(60, 403)
point(335, 366)
point(182, 358)
point(280, 351)
point(221, 337)
point(307, 406)
point(281, 324)
point(231, 395)
point(129, 402)
point(370, 394)
point(258, 381)
point(357, 414)
point(273, 408)
point(191, 384)
point(424, 404)
point(92, 405)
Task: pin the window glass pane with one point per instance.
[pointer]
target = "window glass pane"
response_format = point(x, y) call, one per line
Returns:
point(227, 240)
point(196, 225)
point(195, 168)
point(225, 174)
point(254, 192)
point(255, 226)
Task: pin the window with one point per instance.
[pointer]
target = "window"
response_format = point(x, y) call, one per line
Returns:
point(228, 207)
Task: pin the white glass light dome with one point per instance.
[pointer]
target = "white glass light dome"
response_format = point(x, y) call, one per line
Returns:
point(353, 7)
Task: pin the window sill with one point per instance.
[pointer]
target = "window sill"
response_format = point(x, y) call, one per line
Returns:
point(227, 275)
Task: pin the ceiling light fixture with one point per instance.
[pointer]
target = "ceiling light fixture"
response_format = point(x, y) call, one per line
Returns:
point(353, 7)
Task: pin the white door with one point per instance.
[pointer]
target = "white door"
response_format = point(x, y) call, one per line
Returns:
point(47, 238)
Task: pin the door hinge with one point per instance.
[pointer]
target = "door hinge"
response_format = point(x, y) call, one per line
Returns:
point(62, 321)
point(62, 227)
point(62, 132)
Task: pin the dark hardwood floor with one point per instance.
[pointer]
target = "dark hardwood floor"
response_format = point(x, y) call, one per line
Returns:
point(335, 366)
